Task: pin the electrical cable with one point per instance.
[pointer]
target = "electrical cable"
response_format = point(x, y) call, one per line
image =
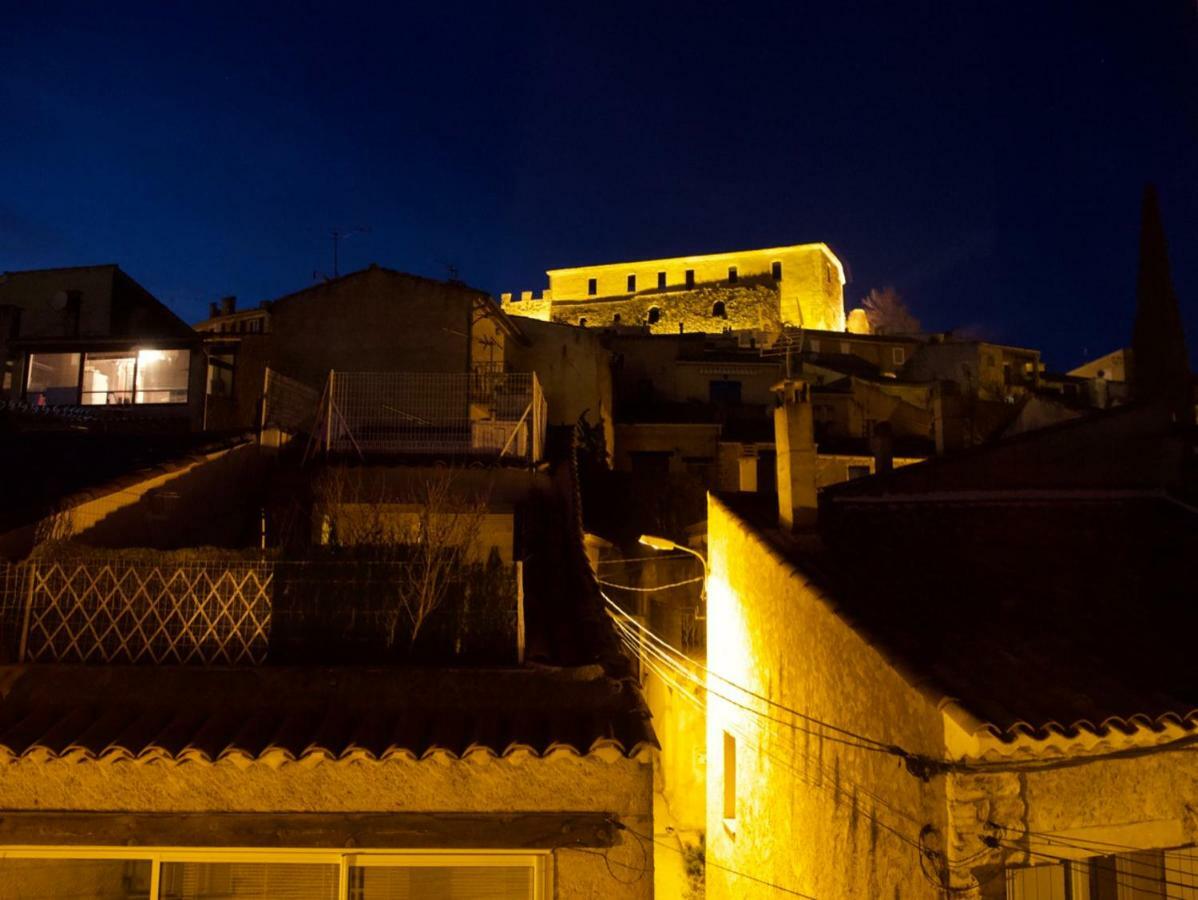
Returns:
point(649, 590)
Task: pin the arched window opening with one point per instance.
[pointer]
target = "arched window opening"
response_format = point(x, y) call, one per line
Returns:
point(654, 315)
point(582, 321)
point(718, 311)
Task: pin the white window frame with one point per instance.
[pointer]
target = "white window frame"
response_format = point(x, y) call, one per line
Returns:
point(537, 860)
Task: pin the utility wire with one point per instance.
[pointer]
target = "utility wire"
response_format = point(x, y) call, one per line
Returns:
point(1098, 864)
point(859, 740)
point(649, 590)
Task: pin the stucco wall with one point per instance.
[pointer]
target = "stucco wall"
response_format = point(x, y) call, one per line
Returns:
point(520, 782)
point(574, 368)
point(1144, 803)
point(804, 802)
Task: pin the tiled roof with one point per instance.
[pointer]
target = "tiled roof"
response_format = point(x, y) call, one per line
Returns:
point(281, 715)
point(1044, 618)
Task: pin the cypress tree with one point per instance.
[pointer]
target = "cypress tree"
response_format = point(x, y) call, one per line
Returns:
point(1161, 372)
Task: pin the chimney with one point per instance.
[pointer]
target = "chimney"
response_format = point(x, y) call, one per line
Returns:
point(228, 305)
point(794, 437)
point(213, 312)
point(882, 446)
point(948, 417)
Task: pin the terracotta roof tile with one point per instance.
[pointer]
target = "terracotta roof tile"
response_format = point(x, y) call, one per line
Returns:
point(289, 713)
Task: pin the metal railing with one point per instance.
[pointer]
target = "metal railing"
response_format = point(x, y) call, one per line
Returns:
point(288, 404)
point(482, 413)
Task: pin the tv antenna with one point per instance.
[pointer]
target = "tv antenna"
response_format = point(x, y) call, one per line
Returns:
point(338, 235)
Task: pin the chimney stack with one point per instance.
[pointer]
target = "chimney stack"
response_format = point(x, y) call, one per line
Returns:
point(794, 437)
point(882, 446)
point(228, 305)
point(213, 312)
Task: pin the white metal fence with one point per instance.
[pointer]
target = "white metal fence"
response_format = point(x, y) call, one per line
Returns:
point(482, 413)
point(288, 404)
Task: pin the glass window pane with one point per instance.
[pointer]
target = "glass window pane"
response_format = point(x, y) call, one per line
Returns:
point(53, 379)
point(108, 378)
point(162, 376)
point(57, 879)
point(260, 881)
point(441, 883)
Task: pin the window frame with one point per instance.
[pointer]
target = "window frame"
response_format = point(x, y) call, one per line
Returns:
point(540, 861)
point(135, 352)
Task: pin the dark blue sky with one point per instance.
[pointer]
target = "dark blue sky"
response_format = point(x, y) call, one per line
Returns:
point(986, 158)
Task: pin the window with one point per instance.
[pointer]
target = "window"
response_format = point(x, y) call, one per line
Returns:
point(898, 355)
point(729, 777)
point(814, 345)
point(53, 379)
point(221, 369)
point(661, 280)
point(718, 311)
point(828, 272)
point(257, 880)
point(654, 315)
point(162, 376)
point(690, 278)
point(592, 286)
point(1128, 876)
point(632, 284)
point(615, 320)
point(582, 321)
point(776, 270)
point(108, 378)
point(195, 874)
point(103, 879)
point(732, 275)
point(723, 392)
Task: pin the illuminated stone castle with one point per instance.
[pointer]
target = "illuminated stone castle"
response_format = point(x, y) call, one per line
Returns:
point(759, 290)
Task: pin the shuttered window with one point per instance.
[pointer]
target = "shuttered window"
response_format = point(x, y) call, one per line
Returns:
point(461, 882)
point(251, 880)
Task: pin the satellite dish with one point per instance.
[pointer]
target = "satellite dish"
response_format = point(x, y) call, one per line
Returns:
point(59, 300)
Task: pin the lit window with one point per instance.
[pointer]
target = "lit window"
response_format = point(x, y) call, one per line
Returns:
point(632, 284)
point(898, 355)
point(776, 270)
point(592, 286)
point(732, 275)
point(729, 777)
point(718, 311)
point(53, 379)
point(512, 878)
point(661, 280)
point(654, 315)
point(690, 278)
point(162, 376)
point(108, 378)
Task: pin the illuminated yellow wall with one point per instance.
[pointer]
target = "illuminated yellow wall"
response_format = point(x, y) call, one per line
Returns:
point(803, 801)
point(478, 784)
point(810, 292)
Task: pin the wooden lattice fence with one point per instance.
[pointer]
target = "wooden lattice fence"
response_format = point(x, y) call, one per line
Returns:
point(121, 611)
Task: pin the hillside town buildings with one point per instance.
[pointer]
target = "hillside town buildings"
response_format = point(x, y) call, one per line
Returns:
point(673, 581)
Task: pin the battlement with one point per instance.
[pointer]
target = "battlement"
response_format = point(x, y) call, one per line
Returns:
point(530, 304)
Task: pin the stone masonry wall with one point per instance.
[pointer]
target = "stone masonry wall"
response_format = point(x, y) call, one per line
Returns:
point(746, 307)
point(811, 814)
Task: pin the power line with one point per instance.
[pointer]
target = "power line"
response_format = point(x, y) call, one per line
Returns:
point(649, 590)
point(1097, 863)
point(862, 741)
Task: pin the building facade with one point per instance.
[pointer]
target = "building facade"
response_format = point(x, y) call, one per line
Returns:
point(752, 290)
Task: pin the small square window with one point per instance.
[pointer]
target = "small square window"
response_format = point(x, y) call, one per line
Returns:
point(592, 286)
point(729, 777)
point(776, 270)
point(690, 278)
point(661, 280)
point(632, 284)
point(732, 275)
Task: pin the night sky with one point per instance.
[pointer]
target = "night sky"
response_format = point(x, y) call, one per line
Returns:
point(985, 158)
